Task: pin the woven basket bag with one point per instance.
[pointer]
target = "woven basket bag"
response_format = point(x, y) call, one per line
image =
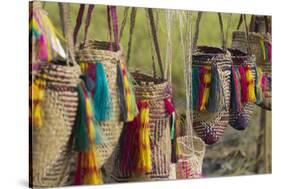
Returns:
point(109, 54)
point(240, 119)
point(51, 147)
point(190, 158)
point(239, 41)
point(155, 90)
point(210, 126)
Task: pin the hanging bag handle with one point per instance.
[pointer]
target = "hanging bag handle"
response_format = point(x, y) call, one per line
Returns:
point(112, 17)
point(67, 30)
point(241, 20)
point(155, 40)
point(197, 27)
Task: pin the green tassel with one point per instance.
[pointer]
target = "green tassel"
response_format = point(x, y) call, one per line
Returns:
point(102, 99)
point(80, 130)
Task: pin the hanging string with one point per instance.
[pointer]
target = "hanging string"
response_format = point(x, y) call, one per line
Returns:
point(132, 26)
point(187, 61)
point(169, 58)
point(152, 49)
point(124, 21)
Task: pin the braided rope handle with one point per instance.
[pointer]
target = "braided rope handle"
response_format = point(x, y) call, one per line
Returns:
point(241, 20)
point(197, 29)
point(67, 30)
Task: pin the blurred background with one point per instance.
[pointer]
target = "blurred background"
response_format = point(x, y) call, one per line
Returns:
point(238, 152)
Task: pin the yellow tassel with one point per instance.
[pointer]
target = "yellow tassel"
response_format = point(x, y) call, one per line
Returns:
point(251, 86)
point(38, 93)
point(145, 151)
point(207, 81)
point(92, 174)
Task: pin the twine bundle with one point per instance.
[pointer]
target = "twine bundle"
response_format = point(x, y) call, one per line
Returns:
point(190, 148)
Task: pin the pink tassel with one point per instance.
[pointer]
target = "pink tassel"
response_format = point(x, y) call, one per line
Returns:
point(169, 106)
point(263, 82)
point(244, 84)
point(43, 49)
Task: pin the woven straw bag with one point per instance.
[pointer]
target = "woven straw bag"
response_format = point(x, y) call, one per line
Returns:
point(239, 41)
point(155, 90)
point(210, 126)
point(109, 54)
point(190, 158)
point(51, 147)
point(240, 119)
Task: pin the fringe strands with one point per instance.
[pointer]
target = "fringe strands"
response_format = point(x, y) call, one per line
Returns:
point(204, 89)
point(258, 85)
point(86, 135)
point(250, 81)
point(47, 37)
point(37, 95)
point(214, 98)
point(144, 163)
point(235, 90)
point(102, 98)
point(127, 97)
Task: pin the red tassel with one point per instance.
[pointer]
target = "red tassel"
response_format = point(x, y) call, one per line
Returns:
point(244, 84)
point(169, 106)
point(78, 174)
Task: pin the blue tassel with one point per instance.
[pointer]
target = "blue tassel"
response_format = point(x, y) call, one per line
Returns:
point(102, 99)
point(122, 104)
point(195, 86)
point(214, 100)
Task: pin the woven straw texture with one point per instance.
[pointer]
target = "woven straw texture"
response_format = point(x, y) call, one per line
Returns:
point(110, 130)
point(239, 58)
point(155, 90)
point(239, 42)
point(52, 151)
point(210, 126)
point(190, 162)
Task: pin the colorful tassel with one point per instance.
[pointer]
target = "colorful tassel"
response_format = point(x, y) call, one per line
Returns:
point(38, 92)
point(86, 135)
point(172, 112)
point(235, 90)
point(127, 98)
point(244, 84)
point(214, 101)
point(46, 35)
point(204, 90)
point(195, 86)
point(102, 99)
point(250, 81)
point(258, 85)
point(135, 151)
point(144, 163)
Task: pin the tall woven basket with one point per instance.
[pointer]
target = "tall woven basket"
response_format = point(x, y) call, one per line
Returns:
point(109, 55)
point(210, 126)
point(153, 89)
point(239, 41)
point(239, 119)
point(52, 154)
